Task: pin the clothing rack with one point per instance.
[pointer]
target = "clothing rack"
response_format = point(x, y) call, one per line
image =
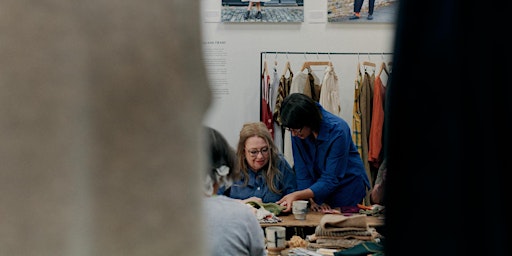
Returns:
point(265, 54)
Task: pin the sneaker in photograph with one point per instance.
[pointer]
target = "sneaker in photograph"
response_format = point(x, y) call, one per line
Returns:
point(354, 17)
point(370, 17)
point(258, 15)
point(247, 15)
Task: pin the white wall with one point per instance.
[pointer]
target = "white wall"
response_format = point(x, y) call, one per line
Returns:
point(242, 44)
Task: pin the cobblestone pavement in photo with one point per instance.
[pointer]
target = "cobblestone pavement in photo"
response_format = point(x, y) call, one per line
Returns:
point(270, 14)
point(381, 14)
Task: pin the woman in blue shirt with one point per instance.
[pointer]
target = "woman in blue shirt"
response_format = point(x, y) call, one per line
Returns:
point(330, 171)
point(266, 176)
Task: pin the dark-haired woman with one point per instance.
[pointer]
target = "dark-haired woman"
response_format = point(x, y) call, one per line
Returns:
point(329, 170)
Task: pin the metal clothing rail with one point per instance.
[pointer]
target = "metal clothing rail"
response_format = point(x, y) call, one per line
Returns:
point(330, 53)
point(264, 53)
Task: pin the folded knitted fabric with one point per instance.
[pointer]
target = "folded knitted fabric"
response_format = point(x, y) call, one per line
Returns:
point(337, 222)
point(332, 238)
point(369, 233)
point(335, 244)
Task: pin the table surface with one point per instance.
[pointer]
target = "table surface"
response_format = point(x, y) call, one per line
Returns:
point(313, 220)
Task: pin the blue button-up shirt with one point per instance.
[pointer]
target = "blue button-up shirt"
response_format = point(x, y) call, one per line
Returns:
point(330, 165)
point(257, 185)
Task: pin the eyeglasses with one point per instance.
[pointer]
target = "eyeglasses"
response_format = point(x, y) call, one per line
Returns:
point(255, 152)
point(294, 130)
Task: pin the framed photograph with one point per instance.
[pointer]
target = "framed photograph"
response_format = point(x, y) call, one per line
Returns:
point(264, 11)
point(362, 11)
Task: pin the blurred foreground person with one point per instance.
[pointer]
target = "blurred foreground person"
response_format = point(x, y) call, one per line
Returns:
point(231, 226)
point(99, 138)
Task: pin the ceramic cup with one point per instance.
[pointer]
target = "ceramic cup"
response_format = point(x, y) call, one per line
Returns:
point(299, 209)
point(276, 237)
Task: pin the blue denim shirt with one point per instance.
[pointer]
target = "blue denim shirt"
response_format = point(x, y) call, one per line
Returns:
point(330, 165)
point(257, 185)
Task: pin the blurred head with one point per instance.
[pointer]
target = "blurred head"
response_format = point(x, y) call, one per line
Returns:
point(257, 151)
point(300, 114)
point(222, 162)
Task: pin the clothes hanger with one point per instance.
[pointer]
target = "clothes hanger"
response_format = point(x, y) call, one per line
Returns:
point(368, 63)
point(358, 65)
point(308, 64)
point(287, 68)
point(275, 63)
point(383, 68)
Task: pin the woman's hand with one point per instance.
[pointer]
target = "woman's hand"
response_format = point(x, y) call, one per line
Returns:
point(319, 208)
point(287, 201)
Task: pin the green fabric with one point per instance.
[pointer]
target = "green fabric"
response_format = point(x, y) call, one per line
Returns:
point(271, 207)
point(363, 249)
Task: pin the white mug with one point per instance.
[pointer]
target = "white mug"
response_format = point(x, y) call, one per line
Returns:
point(276, 237)
point(299, 209)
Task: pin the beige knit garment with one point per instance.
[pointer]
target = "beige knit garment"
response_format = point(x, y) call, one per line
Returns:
point(338, 222)
point(329, 95)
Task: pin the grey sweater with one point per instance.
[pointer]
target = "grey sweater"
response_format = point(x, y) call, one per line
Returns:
point(232, 229)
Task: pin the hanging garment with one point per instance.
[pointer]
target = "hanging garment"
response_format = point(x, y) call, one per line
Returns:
point(356, 113)
point(329, 95)
point(375, 141)
point(300, 84)
point(315, 84)
point(365, 103)
point(282, 92)
point(274, 93)
point(266, 113)
point(274, 88)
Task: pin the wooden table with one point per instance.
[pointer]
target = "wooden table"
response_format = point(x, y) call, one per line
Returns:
point(313, 220)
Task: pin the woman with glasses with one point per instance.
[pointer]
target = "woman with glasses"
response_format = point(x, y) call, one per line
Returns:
point(266, 176)
point(330, 171)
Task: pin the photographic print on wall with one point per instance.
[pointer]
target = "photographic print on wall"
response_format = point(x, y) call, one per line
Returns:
point(362, 11)
point(263, 11)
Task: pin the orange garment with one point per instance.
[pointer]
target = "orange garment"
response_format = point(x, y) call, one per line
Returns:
point(375, 143)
